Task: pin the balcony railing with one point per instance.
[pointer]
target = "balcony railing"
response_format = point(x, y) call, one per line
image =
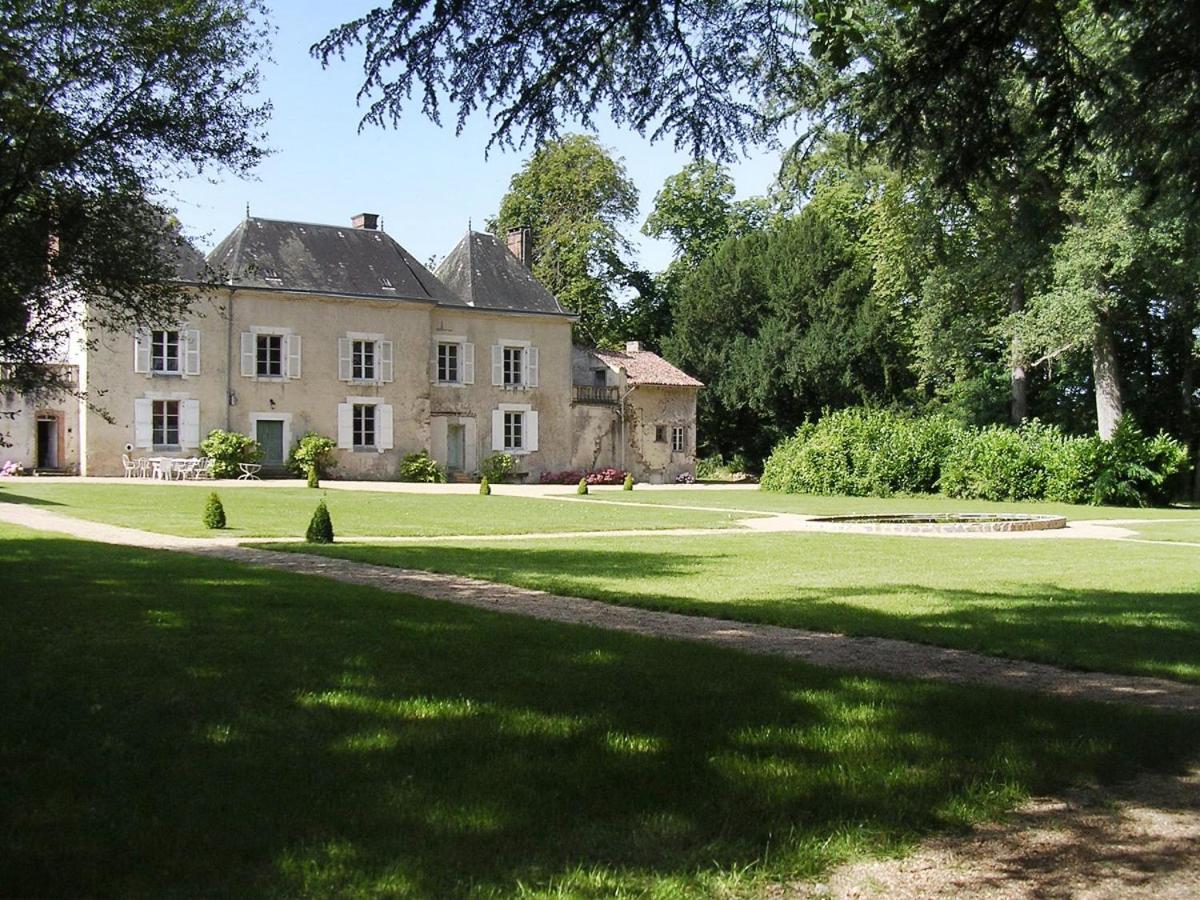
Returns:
point(593, 393)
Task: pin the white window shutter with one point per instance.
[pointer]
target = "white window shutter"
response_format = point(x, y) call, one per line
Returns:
point(385, 361)
point(497, 429)
point(191, 352)
point(531, 431)
point(384, 438)
point(189, 423)
point(142, 434)
point(433, 359)
point(530, 358)
point(293, 355)
point(141, 352)
point(497, 365)
point(344, 371)
point(468, 363)
point(249, 354)
point(345, 426)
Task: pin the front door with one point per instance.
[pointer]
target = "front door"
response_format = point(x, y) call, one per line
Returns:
point(456, 447)
point(269, 434)
point(47, 443)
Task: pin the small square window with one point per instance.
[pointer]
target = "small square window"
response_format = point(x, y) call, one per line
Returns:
point(363, 417)
point(164, 422)
point(269, 355)
point(164, 353)
point(514, 431)
point(448, 364)
point(362, 361)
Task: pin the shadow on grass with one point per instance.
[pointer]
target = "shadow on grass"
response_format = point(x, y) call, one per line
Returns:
point(10, 493)
point(1144, 633)
point(184, 726)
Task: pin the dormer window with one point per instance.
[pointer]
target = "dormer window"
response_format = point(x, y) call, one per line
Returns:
point(386, 284)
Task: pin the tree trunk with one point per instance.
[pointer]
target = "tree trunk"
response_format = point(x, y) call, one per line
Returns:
point(1019, 405)
point(1107, 377)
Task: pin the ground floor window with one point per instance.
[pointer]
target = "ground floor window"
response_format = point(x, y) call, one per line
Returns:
point(514, 431)
point(363, 425)
point(164, 423)
point(677, 438)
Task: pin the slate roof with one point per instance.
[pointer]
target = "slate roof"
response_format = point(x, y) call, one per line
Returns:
point(485, 275)
point(644, 367)
point(324, 259)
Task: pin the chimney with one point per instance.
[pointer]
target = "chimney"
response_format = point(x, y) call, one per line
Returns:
point(366, 221)
point(518, 244)
point(633, 346)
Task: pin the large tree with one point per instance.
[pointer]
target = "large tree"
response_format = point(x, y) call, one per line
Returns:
point(916, 77)
point(98, 101)
point(575, 197)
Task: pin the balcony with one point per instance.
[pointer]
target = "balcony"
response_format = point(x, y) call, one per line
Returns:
point(592, 393)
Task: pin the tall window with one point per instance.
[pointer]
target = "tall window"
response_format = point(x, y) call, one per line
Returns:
point(362, 361)
point(677, 434)
point(448, 370)
point(512, 366)
point(164, 423)
point(364, 425)
point(269, 355)
point(514, 431)
point(164, 352)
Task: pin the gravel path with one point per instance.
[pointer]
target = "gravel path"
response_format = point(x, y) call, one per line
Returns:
point(876, 656)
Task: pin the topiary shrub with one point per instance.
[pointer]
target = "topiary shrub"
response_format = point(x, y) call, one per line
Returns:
point(312, 457)
point(628, 483)
point(320, 528)
point(583, 486)
point(214, 512)
point(485, 489)
point(420, 467)
point(228, 448)
point(497, 467)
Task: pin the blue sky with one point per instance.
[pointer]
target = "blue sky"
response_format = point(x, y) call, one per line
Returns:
point(425, 182)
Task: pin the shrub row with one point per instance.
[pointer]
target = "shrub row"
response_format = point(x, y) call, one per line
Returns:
point(866, 452)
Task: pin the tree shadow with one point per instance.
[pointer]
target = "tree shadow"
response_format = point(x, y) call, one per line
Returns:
point(177, 725)
point(11, 494)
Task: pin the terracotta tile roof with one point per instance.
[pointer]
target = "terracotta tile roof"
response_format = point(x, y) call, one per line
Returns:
point(644, 367)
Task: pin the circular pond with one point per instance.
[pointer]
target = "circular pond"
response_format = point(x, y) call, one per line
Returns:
point(947, 523)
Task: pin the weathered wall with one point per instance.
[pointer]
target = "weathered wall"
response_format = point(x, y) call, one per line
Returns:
point(19, 431)
point(551, 399)
point(647, 408)
point(597, 437)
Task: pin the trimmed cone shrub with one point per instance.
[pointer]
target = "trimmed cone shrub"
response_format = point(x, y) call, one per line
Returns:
point(320, 529)
point(583, 488)
point(484, 488)
point(214, 512)
point(314, 480)
point(628, 485)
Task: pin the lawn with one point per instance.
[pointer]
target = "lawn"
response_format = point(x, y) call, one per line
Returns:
point(285, 512)
point(1102, 605)
point(178, 726)
point(1187, 531)
point(817, 505)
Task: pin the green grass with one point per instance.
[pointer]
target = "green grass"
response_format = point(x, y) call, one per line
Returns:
point(1108, 606)
point(1187, 531)
point(178, 726)
point(817, 505)
point(285, 512)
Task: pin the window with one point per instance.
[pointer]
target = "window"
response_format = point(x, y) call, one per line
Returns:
point(448, 371)
point(514, 431)
point(268, 355)
point(660, 434)
point(364, 425)
point(599, 377)
point(512, 366)
point(677, 434)
point(164, 423)
point(164, 352)
point(362, 365)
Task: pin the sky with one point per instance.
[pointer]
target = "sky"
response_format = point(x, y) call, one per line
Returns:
point(425, 182)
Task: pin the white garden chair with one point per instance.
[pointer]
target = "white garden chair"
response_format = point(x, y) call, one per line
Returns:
point(129, 465)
